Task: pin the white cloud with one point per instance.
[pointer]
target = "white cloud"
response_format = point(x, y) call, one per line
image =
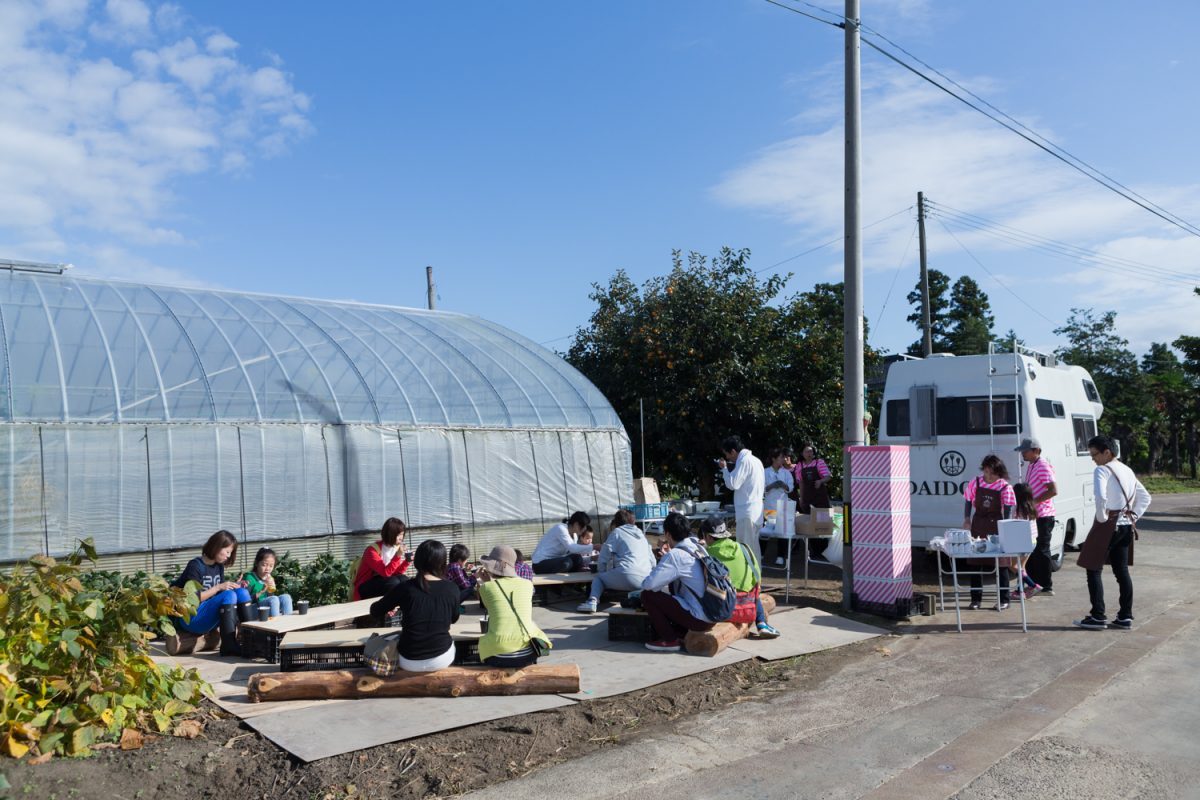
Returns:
point(916, 138)
point(104, 107)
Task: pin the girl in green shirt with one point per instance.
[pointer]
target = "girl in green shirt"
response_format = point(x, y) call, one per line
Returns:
point(262, 586)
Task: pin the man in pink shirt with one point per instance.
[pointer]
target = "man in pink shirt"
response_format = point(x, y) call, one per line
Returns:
point(1040, 477)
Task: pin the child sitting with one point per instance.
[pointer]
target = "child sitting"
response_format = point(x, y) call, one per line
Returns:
point(457, 571)
point(524, 568)
point(262, 586)
point(586, 536)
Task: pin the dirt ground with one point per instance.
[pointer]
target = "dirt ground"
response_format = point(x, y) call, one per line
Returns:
point(232, 761)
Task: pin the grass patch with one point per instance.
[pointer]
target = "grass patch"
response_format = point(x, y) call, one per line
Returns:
point(1166, 484)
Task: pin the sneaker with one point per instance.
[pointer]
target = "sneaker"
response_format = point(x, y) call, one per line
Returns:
point(661, 646)
point(780, 561)
point(1000, 607)
point(1091, 623)
point(1122, 624)
point(588, 606)
point(766, 631)
point(1047, 591)
point(974, 606)
point(1032, 590)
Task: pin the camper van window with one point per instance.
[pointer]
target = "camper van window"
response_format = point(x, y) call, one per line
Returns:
point(897, 418)
point(1085, 428)
point(1089, 389)
point(968, 416)
point(1051, 409)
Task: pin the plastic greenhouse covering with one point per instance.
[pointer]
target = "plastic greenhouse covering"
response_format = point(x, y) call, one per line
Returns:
point(147, 417)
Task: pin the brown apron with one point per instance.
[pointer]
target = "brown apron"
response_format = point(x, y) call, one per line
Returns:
point(988, 512)
point(1094, 553)
point(813, 496)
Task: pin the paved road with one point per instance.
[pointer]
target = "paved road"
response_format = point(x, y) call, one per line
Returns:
point(990, 713)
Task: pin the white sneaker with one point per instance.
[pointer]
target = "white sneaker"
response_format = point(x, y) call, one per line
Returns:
point(588, 606)
point(780, 561)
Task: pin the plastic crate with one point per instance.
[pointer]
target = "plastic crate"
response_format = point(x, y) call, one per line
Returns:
point(648, 510)
point(295, 659)
point(630, 628)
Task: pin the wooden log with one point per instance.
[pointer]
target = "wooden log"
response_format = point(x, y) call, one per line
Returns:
point(723, 634)
point(709, 643)
point(449, 682)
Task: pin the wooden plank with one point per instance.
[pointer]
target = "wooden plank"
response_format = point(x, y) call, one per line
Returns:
point(463, 630)
point(320, 615)
point(562, 578)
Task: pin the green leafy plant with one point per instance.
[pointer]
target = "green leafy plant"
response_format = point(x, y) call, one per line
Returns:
point(324, 580)
point(75, 666)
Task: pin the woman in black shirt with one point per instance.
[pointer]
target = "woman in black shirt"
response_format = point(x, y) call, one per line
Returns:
point(428, 606)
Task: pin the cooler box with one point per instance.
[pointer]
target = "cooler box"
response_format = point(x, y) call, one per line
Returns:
point(1017, 535)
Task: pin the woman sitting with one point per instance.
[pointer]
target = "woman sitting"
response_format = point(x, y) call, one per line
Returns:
point(674, 614)
point(222, 602)
point(508, 600)
point(560, 550)
point(428, 606)
point(383, 563)
point(624, 561)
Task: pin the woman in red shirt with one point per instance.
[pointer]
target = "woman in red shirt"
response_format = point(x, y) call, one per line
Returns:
point(383, 563)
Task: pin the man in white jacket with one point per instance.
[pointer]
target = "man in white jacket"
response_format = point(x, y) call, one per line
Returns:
point(743, 473)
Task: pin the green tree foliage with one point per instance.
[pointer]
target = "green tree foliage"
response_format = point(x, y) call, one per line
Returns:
point(969, 321)
point(1172, 395)
point(712, 350)
point(939, 304)
point(324, 581)
point(1093, 343)
point(75, 666)
point(1190, 347)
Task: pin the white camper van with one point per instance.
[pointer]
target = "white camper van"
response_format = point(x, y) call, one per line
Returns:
point(952, 411)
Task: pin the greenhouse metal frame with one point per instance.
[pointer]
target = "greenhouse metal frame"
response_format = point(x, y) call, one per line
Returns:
point(148, 416)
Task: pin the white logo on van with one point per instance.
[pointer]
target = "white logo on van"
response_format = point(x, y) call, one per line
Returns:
point(952, 463)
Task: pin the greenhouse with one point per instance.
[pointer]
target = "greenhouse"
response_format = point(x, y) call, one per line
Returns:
point(148, 417)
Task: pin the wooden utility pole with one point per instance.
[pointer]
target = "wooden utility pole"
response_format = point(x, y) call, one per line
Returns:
point(926, 324)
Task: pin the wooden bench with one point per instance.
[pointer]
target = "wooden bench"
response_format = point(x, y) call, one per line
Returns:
point(558, 582)
point(343, 649)
point(261, 639)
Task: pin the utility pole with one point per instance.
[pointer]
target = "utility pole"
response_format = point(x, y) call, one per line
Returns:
point(431, 289)
point(852, 407)
point(926, 331)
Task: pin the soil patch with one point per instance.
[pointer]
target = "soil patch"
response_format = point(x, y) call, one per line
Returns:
point(230, 760)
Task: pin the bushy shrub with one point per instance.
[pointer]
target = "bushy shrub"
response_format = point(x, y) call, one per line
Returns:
point(323, 581)
point(75, 667)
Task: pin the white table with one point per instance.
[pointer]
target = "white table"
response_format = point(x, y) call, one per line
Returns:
point(769, 533)
point(939, 546)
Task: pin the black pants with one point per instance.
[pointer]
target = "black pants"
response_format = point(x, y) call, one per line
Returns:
point(1118, 559)
point(977, 587)
point(1039, 564)
point(521, 658)
point(378, 586)
point(568, 563)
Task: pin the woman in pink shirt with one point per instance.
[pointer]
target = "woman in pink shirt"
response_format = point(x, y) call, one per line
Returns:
point(989, 499)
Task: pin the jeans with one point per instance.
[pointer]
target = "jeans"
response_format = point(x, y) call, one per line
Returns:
point(614, 579)
point(669, 618)
point(208, 615)
point(1039, 565)
point(760, 616)
point(1118, 559)
point(279, 603)
point(567, 563)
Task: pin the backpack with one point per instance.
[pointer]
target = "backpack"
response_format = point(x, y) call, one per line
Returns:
point(719, 597)
point(354, 565)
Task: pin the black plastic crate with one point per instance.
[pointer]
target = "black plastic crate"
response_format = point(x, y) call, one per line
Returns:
point(630, 628)
point(296, 659)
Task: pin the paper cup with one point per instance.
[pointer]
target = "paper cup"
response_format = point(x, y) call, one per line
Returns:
point(483, 624)
point(264, 613)
point(302, 607)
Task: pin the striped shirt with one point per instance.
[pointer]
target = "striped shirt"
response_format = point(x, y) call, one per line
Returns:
point(1041, 475)
point(524, 570)
point(822, 469)
point(1007, 498)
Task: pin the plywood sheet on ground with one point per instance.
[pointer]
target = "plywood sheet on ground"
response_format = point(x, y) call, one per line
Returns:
point(331, 729)
point(806, 630)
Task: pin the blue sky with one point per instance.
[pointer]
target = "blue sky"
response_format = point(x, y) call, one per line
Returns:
point(529, 149)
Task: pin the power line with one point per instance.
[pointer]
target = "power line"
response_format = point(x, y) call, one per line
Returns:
point(831, 242)
point(1004, 120)
point(895, 275)
point(989, 272)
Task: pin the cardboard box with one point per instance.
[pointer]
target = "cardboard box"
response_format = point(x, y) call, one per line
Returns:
point(645, 490)
point(1016, 535)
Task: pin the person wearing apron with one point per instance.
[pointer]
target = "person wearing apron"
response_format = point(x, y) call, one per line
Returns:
point(812, 478)
point(989, 498)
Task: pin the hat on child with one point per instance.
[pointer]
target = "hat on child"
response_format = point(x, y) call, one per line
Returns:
point(501, 562)
point(715, 527)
